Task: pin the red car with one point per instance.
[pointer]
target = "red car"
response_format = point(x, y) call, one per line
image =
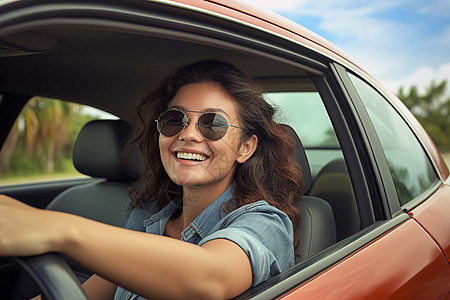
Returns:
point(376, 207)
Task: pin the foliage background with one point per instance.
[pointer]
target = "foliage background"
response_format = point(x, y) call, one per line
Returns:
point(41, 140)
point(432, 109)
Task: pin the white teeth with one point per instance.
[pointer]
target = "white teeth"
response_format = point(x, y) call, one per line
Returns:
point(190, 156)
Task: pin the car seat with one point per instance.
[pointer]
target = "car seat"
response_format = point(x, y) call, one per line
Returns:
point(334, 185)
point(317, 226)
point(97, 153)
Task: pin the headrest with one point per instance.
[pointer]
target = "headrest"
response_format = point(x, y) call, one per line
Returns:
point(98, 151)
point(335, 166)
point(299, 157)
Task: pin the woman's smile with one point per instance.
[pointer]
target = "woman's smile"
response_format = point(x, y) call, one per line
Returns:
point(190, 157)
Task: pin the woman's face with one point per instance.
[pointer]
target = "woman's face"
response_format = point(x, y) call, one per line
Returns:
point(211, 162)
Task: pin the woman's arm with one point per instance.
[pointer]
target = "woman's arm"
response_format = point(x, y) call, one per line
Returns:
point(150, 265)
point(159, 267)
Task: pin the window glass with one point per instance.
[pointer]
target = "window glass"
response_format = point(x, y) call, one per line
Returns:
point(409, 165)
point(306, 114)
point(40, 144)
point(330, 181)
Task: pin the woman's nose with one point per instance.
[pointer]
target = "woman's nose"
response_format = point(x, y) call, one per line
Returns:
point(190, 131)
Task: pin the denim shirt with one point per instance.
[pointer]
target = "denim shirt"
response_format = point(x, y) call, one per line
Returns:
point(263, 232)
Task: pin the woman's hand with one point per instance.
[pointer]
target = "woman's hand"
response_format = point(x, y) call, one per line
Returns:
point(25, 230)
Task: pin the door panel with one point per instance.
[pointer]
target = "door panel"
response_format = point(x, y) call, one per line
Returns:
point(40, 194)
point(405, 263)
point(434, 216)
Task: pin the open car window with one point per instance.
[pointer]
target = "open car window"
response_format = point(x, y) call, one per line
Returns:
point(305, 112)
point(40, 144)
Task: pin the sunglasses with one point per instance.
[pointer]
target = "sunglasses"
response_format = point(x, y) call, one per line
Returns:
point(212, 126)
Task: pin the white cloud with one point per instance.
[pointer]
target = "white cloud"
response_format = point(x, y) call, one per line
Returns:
point(340, 19)
point(358, 28)
point(439, 8)
point(348, 23)
point(386, 37)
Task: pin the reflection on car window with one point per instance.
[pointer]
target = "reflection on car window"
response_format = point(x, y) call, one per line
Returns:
point(40, 144)
point(410, 167)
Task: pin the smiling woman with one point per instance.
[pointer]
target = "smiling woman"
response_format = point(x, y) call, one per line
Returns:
point(223, 199)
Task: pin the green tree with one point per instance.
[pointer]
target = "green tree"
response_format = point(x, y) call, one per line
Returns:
point(23, 134)
point(42, 136)
point(432, 109)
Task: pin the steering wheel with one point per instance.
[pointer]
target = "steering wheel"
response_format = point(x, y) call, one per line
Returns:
point(52, 275)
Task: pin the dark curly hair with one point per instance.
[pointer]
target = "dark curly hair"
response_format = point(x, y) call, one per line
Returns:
point(267, 175)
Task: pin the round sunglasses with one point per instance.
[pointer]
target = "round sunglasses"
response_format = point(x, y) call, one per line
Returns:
point(212, 126)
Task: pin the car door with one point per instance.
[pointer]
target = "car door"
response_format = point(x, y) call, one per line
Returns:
point(419, 174)
point(403, 256)
point(401, 198)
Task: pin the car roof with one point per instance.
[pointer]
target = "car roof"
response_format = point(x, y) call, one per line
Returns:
point(95, 52)
point(276, 24)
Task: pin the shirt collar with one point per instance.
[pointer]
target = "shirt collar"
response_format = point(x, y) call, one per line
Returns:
point(202, 225)
point(165, 213)
point(208, 218)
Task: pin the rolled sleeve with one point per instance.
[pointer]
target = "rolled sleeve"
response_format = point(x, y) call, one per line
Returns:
point(265, 235)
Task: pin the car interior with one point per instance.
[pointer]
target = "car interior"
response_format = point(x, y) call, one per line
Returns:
point(110, 69)
point(98, 153)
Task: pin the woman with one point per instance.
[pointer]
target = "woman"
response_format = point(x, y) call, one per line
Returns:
point(231, 229)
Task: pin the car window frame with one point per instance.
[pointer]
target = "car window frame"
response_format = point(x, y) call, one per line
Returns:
point(376, 158)
point(411, 134)
point(10, 107)
point(349, 130)
point(394, 204)
point(339, 114)
point(346, 130)
point(349, 119)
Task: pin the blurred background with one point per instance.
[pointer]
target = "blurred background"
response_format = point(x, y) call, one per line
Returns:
point(405, 44)
point(39, 147)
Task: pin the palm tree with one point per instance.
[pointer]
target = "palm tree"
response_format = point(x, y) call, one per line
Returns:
point(41, 130)
point(54, 118)
point(25, 127)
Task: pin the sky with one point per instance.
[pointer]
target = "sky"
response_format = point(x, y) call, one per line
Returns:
point(399, 42)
